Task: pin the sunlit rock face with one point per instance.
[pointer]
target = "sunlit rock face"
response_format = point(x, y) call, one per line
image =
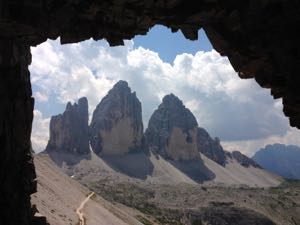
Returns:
point(182, 146)
point(69, 132)
point(117, 126)
point(172, 131)
point(210, 147)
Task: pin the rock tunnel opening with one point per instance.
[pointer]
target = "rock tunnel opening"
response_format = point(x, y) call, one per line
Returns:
point(65, 73)
point(250, 34)
point(194, 71)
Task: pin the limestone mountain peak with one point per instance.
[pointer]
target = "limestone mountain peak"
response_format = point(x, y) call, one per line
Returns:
point(171, 98)
point(121, 84)
point(175, 111)
point(172, 130)
point(121, 87)
point(116, 126)
point(173, 102)
point(69, 131)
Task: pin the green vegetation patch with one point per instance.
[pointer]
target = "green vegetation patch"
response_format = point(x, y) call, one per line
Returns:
point(143, 220)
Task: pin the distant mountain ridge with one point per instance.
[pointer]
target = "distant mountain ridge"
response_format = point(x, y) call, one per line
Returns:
point(280, 159)
point(183, 151)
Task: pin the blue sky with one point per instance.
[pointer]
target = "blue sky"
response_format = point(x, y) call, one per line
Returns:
point(160, 39)
point(243, 115)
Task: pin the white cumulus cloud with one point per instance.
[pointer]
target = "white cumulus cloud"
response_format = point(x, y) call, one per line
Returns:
point(247, 147)
point(235, 110)
point(41, 97)
point(40, 127)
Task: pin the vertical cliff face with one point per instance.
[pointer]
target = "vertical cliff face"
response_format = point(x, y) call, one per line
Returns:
point(69, 132)
point(172, 130)
point(210, 147)
point(17, 173)
point(117, 126)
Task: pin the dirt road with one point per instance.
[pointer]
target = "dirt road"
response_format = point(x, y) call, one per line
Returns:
point(78, 210)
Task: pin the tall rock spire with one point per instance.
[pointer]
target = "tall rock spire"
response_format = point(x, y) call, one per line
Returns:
point(116, 126)
point(69, 132)
point(172, 130)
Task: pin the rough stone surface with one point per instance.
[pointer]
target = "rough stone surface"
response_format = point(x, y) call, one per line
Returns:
point(17, 173)
point(210, 147)
point(259, 37)
point(69, 132)
point(117, 126)
point(172, 130)
point(243, 159)
point(38, 218)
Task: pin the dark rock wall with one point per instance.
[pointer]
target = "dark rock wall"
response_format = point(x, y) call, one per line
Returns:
point(17, 173)
point(69, 132)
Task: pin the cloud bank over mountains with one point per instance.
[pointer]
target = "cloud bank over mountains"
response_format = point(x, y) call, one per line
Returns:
point(238, 111)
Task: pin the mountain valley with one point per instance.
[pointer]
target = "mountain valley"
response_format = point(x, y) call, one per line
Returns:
point(174, 172)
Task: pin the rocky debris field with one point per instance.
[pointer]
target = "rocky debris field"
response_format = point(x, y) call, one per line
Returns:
point(196, 204)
